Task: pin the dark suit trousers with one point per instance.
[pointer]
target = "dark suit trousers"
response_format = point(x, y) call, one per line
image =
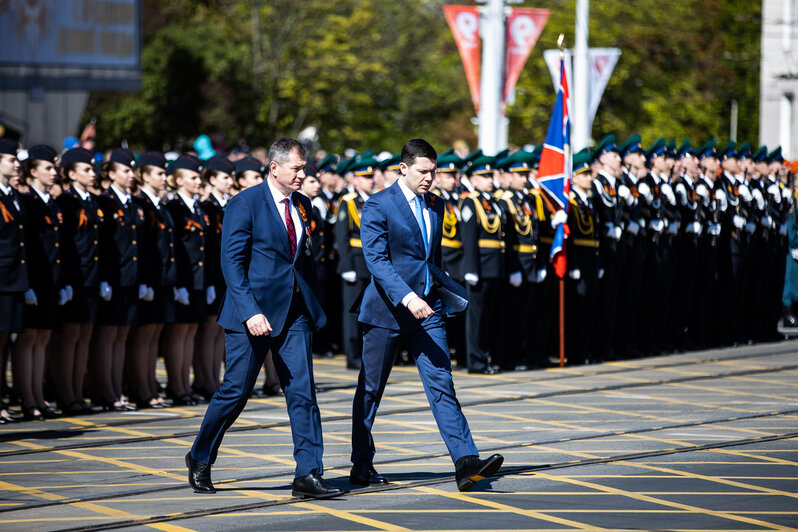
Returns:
point(294, 363)
point(428, 346)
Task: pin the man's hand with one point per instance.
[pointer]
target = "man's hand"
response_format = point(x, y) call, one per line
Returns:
point(419, 308)
point(258, 325)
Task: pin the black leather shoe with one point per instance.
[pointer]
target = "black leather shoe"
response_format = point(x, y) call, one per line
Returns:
point(199, 476)
point(366, 476)
point(470, 469)
point(313, 487)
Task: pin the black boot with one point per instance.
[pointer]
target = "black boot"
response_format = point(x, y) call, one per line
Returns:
point(789, 318)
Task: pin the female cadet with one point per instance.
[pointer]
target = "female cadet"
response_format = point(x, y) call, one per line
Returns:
point(119, 261)
point(13, 268)
point(47, 289)
point(208, 355)
point(249, 172)
point(191, 223)
point(80, 250)
point(159, 272)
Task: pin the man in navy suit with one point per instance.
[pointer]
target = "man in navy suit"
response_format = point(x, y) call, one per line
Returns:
point(269, 304)
point(404, 305)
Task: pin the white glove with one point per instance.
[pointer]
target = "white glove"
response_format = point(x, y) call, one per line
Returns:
point(181, 296)
point(210, 294)
point(30, 297)
point(698, 228)
point(745, 193)
point(541, 275)
point(750, 227)
point(471, 278)
point(69, 292)
point(616, 233)
point(783, 229)
point(786, 193)
point(633, 227)
point(714, 229)
point(657, 225)
point(575, 275)
point(105, 291)
point(560, 217)
point(673, 228)
point(515, 279)
point(62, 298)
point(142, 291)
point(601, 273)
point(625, 194)
point(738, 221)
point(349, 277)
point(150, 295)
point(767, 221)
point(667, 191)
point(645, 191)
point(794, 253)
point(759, 198)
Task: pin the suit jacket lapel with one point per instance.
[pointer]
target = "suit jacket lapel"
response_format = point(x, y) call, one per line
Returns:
point(406, 210)
point(433, 221)
point(276, 215)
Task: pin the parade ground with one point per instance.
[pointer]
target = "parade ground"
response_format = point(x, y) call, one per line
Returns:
point(706, 440)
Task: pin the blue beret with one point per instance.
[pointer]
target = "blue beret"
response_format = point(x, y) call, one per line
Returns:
point(187, 162)
point(220, 164)
point(42, 152)
point(77, 155)
point(152, 158)
point(123, 156)
point(248, 163)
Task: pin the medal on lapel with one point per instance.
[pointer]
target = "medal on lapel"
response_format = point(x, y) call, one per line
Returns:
point(307, 240)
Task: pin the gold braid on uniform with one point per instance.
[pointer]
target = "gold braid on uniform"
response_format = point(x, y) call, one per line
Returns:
point(489, 227)
point(521, 220)
point(449, 222)
point(585, 228)
point(354, 216)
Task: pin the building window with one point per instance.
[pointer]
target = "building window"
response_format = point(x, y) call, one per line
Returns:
point(785, 124)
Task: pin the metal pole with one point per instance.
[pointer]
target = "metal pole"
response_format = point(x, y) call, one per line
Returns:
point(733, 126)
point(580, 134)
point(490, 93)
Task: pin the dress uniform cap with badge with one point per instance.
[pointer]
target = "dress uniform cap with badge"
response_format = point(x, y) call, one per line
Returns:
point(520, 161)
point(708, 149)
point(761, 155)
point(248, 163)
point(220, 164)
point(744, 150)
point(328, 163)
point(152, 158)
point(729, 151)
point(482, 165)
point(364, 167)
point(391, 164)
point(607, 144)
point(8, 146)
point(42, 152)
point(685, 149)
point(188, 162)
point(77, 155)
point(632, 145)
point(657, 149)
point(775, 155)
point(123, 156)
point(449, 163)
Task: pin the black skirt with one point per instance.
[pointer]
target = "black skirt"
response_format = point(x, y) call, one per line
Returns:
point(45, 314)
point(123, 307)
point(195, 312)
point(84, 307)
point(160, 310)
point(12, 311)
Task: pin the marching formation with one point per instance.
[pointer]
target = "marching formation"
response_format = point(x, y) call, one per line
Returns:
point(106, 265)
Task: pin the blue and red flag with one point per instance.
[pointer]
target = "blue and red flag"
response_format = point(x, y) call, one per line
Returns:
point(554, 172)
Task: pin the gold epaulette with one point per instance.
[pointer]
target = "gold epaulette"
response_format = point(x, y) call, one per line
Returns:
point(464, 195)
point(436, 192)
point(498, 194)
point(349, 197)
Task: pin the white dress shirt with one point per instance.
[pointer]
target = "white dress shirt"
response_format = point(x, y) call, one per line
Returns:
point(153, 198)
point(278, 201)
point(410, 196)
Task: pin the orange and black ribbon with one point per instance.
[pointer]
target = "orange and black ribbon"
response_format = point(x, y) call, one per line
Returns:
point(7, 216)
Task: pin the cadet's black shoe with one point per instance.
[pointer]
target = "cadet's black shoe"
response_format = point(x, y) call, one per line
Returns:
point(313, 487)
point(789, 318)
point(366, 476)
point(199, 476)
point(470, 469)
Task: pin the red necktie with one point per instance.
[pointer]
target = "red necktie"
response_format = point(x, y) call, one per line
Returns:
point(289, 225)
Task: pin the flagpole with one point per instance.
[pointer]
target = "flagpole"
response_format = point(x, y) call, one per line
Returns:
point(561, 46)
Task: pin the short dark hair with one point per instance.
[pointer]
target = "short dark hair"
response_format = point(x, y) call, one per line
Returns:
point(415, 148)
point(282, 148)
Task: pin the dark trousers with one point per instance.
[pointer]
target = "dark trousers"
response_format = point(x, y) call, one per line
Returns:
point(351, 330)
point(294, 363)
point(481, 322)
point(427, 344)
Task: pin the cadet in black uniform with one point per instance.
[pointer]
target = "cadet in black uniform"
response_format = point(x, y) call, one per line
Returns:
point(209, 354)
point(47, 288)
point(159, 273)
point(80, 249)
point(484, 250)
point(584, 265)
point(352, 266)
point(191, 222)
point(714, 203)
point(13, 267)
point(120, 285)
point(248, 173)
point(445, 186)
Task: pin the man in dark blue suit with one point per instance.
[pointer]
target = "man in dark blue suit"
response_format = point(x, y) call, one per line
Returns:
point(404, 304)
point(269, 305)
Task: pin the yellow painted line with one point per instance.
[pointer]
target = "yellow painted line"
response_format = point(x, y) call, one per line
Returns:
point(661, 502)
point(14, 488)
point(771, 460)
point(717, 480)
point(726, 391)
point(503, 507)
point(341, 514)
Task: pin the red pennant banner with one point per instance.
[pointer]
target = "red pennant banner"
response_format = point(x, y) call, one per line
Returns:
point(464, 23)
point(524, 26)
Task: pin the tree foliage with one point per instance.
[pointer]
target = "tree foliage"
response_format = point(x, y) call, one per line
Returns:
point(369, 74)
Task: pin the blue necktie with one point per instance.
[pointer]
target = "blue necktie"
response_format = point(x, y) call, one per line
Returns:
point(423, 226)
